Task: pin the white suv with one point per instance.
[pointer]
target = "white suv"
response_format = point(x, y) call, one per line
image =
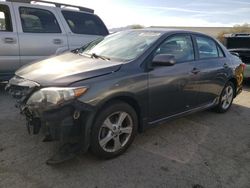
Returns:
point(30, 31)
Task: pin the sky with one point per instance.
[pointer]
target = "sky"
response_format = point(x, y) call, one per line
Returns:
point(118, 13)
point(210, 13)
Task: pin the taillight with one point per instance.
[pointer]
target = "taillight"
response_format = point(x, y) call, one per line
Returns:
point(243, 66)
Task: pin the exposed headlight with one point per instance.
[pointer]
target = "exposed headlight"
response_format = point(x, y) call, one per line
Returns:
point(53, 96)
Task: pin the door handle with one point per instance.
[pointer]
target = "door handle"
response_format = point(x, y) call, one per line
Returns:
point(9, 40)
point(195, 70)
point(225, 65)
point(57, 41)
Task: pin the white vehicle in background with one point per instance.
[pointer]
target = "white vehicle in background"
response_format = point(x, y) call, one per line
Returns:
point(34, 30)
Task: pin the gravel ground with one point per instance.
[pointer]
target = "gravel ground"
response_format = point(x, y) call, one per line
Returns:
point(201, 150)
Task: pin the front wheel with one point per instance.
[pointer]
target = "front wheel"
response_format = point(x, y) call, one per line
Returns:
point(226, 98)
point(114, 130)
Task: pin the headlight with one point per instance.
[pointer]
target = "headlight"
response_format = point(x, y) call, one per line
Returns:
point(54, 96)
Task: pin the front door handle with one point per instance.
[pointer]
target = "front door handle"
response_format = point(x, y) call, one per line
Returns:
point(9, 40)
point(195, 70)
point(57, 41)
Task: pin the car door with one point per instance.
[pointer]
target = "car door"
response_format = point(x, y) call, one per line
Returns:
point(9, 45)
point(82, 28)
point(212, 68)
point(40, 32)
point(172, 89)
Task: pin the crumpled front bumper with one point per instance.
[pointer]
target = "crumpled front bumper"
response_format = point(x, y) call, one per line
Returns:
point(65, 123)
point(59, 124)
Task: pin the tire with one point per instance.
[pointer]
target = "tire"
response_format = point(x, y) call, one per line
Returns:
point(226, 99)
point(114, 130)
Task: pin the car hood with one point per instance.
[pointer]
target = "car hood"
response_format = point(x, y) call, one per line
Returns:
point(66, 69)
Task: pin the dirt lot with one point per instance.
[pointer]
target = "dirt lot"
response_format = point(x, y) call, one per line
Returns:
point(202, 150)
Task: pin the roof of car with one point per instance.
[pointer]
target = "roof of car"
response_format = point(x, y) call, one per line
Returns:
point(170, 30)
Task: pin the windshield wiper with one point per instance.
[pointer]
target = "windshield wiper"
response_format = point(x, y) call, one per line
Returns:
point(93, 55)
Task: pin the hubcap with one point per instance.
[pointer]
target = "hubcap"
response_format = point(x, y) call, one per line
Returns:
point(115, 131)
point(227, 97)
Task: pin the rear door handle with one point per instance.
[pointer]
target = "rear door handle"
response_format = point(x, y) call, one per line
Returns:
point(225, 65)
point(195, 71)
point(57, 41)
point(9, 40)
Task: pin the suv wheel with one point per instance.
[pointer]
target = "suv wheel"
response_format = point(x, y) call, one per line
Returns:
point(114, 130)
point(226, 98)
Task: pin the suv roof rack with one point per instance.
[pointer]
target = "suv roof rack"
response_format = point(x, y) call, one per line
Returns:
point(60, 5)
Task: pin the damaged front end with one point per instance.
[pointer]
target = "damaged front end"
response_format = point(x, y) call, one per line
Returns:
point(55, 111)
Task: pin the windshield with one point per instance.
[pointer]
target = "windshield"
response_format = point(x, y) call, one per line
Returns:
point(122, 46)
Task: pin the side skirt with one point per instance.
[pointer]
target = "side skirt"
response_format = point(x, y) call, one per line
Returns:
point(191, 111)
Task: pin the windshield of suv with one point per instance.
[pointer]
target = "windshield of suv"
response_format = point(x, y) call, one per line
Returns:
point(122, 46)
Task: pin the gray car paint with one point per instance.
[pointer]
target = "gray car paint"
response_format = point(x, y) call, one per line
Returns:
point(154, 93)
point(66, 68)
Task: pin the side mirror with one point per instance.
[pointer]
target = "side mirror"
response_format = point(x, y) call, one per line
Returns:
point(164, 60)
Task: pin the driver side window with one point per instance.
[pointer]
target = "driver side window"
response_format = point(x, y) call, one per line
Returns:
point(180, 46)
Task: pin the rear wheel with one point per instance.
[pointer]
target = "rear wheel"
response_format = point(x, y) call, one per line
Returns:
point(114, 130)
point(226, 98)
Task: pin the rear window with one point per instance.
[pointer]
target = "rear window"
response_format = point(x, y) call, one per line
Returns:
point(84, 23)
point(5, 18)
point(207, 48)
point(38, 21)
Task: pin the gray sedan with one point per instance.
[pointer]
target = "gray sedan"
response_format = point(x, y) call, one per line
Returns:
point(99, 96)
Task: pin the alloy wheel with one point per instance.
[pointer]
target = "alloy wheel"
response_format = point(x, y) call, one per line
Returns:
point(227, 97)
point(115, 131)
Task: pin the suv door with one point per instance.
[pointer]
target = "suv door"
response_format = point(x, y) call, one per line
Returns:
point(40, 32)
point(172, 89)
point(212, 68)
point(9, 45)
point(82, 28)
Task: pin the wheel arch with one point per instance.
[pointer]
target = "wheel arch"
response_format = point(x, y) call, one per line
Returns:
point(131, 100)
point(234, 81)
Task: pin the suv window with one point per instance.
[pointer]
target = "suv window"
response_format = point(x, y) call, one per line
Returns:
point(5, 18)
point(38, 21)
point(84, 23)
point(180, 46)
point(207, 48)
